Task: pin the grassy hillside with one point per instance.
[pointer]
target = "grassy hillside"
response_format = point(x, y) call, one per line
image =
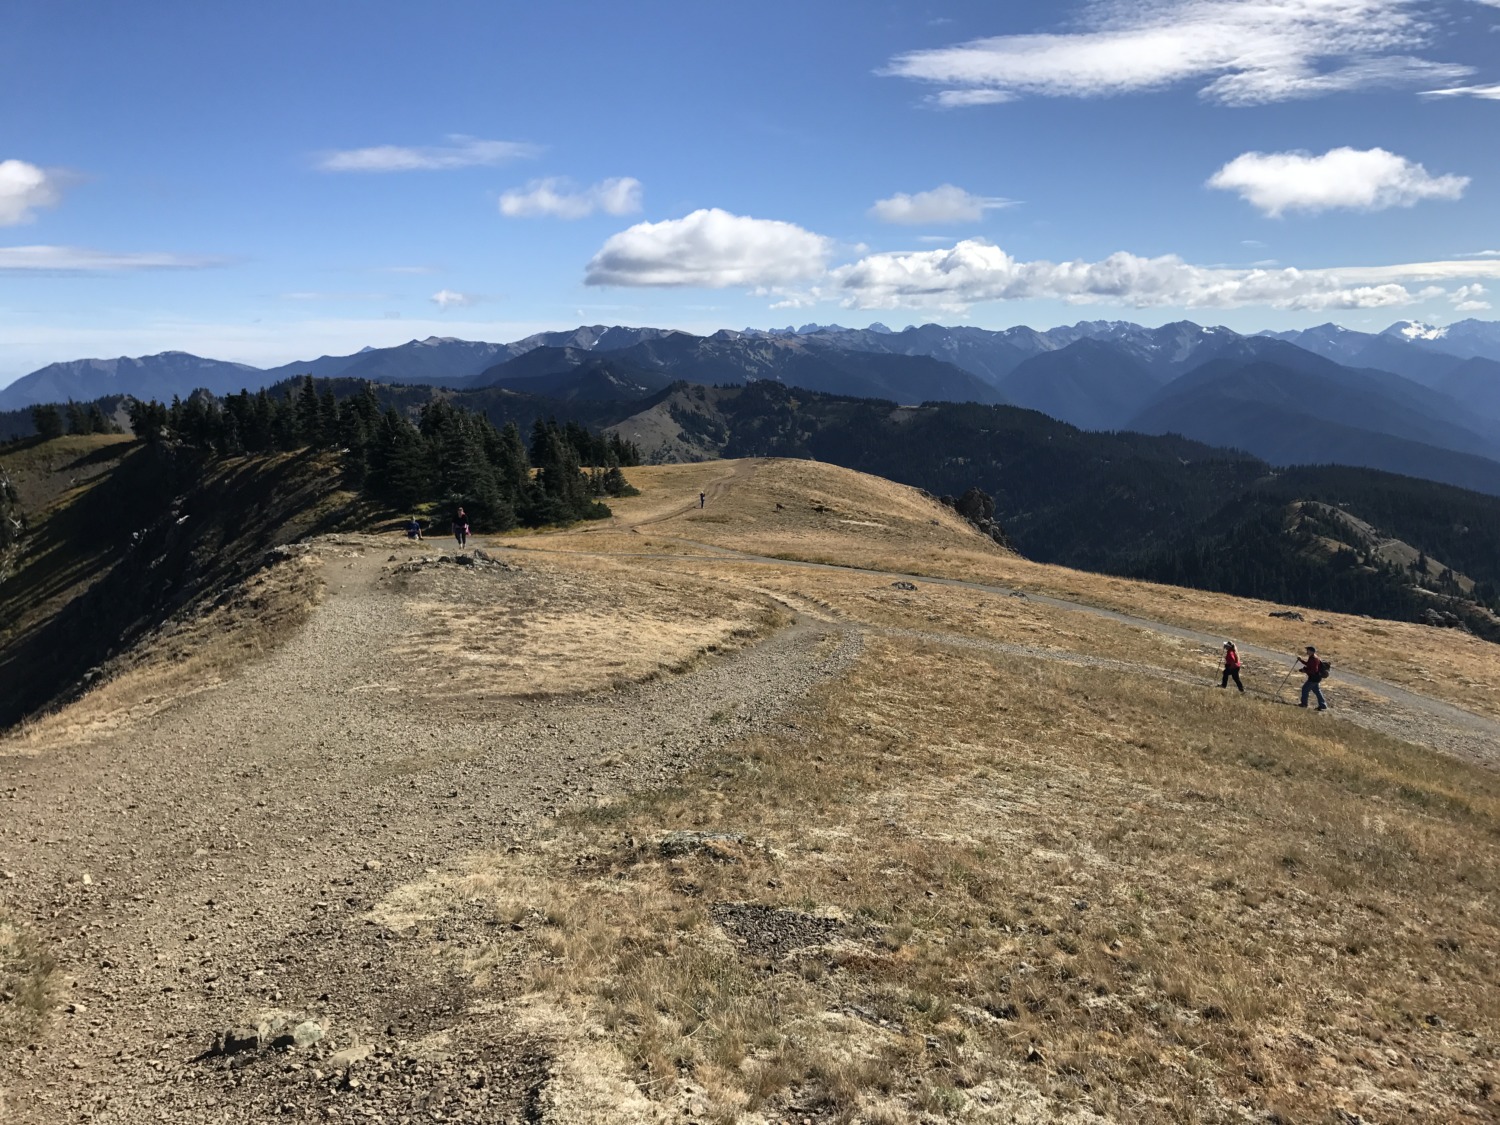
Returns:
point(119, 536)
point(1016, 865)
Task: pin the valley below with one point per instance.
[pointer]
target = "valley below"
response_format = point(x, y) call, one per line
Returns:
point(803, 803)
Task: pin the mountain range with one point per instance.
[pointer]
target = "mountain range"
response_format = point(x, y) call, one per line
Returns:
point(1413, 399)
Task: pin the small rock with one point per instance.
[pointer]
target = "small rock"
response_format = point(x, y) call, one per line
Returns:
point(306, 1033)
point(715, 845)
point(238, 1039)
point(349, 1056)
point(903, 585)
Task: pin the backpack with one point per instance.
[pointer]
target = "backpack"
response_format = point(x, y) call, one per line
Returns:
point(1324, 668)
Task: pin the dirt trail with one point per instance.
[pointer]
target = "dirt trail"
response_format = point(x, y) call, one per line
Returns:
point(218, 861)
point(1406, 714)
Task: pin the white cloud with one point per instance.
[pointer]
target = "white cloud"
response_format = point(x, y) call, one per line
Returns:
point(562, 199)
point(1246, 52)
point(460, 152)
point(712, 249)
point(72, 259)
point(974, 272)
point(1356, 179)
point(447, 298)
point(1470, 298)
point(943, 204)
point(23, 189)
point(1491, 93)
point(1482, 254)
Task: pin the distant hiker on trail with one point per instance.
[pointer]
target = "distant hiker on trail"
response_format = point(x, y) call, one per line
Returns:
point(1231, 667)
point(461, 529)
point(414, 529)
point(1313, 669)
point(702, 499)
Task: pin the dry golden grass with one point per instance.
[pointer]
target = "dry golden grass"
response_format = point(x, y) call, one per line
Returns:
point(1442, 663)
point(26, 988)
point(192, 653)
point(1048, 886)
point(561, 626)
point(824, 514)
point(47, 472)
point(876, 602)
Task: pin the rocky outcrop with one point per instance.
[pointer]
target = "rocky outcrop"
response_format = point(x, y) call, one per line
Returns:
point(978, 507)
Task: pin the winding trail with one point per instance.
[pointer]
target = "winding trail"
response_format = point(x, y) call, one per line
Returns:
point(220, 859)
point(1410, 716)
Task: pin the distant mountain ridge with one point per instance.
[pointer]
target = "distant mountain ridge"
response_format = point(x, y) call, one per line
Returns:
point(1418, 352)
point(1413, 399)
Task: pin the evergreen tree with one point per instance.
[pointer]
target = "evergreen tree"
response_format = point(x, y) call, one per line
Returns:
point(399, 472)
point(47, 420)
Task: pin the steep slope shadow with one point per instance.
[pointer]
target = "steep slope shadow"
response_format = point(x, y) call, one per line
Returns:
point(126, 561)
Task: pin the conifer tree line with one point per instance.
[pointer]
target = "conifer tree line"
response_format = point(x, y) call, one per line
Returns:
point(451, 457)
point(52, 421)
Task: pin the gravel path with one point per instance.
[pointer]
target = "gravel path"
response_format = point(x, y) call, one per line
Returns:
point(1400, 712)
point(218, 862)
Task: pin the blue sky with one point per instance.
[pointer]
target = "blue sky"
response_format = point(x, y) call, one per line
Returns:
point(276, 181)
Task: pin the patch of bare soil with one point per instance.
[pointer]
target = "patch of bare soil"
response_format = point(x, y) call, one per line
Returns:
point(560, 631)
point(209, 869)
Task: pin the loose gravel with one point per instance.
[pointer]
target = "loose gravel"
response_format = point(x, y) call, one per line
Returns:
point(216, 865)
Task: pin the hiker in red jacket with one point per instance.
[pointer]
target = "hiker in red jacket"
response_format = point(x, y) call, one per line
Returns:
point(1312, 668)
point(1231, 667)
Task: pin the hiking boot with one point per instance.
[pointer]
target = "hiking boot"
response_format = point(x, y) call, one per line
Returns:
point(1323, 708)
point(1302, 705)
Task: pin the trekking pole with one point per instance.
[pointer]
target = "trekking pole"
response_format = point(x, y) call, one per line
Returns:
point(1281, 687)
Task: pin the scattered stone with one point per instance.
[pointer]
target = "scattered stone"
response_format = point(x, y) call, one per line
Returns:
point(768, 932)
point(1285, 614)
point(238, 1039)
point(904, 585)
point(349, 1056)
point(716, 845)
point(305, 1034)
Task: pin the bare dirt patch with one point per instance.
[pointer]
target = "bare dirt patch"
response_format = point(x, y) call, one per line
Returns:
point(559, 628)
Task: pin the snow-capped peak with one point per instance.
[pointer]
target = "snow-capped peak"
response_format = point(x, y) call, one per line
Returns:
point(1416, 330)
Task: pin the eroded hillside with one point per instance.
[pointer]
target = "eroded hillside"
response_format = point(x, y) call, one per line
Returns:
point(119, 537)
point(782, 795)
